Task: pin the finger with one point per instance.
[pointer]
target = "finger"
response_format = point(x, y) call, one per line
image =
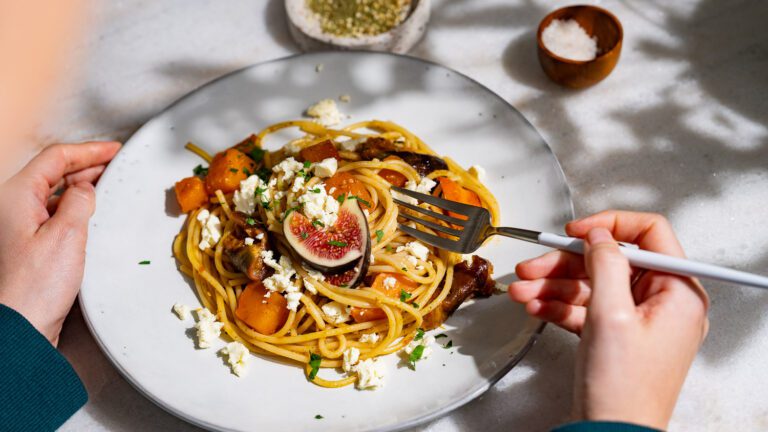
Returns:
point(74, 210)
point(571, 291)
point(53, 204)
point(48, 168)
point(555, 264)
point(564, 315)
point(650, 231)
point(90, 175)
point(609, 273)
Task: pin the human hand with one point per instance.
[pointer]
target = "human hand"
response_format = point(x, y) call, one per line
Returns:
point(43, 236)
point(640, 331)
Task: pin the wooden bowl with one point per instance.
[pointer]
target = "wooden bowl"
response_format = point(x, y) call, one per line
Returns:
point(579, 73)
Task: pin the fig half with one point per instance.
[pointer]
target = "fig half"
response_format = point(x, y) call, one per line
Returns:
point(331, 249)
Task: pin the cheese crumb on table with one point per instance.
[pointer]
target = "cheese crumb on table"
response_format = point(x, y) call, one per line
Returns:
point(325, 112)
point(181, 311)
point(345, 98)
point(208, 328)
point(237, 357)
point(567, 39)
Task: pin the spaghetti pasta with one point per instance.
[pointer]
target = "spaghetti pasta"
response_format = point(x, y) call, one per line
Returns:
point(310, 329)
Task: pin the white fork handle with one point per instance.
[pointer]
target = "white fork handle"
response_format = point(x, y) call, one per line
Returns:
point(664, 263)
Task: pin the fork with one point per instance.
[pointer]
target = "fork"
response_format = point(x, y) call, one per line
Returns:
point(477, 227)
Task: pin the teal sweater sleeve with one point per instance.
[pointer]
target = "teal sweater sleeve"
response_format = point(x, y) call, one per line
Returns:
point(39, 390)
point(587, 426)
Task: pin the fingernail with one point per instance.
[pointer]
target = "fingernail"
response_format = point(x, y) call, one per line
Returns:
point(86, 186)
point(599, 235)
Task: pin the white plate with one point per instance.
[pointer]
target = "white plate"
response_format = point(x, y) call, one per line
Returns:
point(128, 306)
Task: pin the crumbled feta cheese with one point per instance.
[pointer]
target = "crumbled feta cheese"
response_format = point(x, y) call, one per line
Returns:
point(211, 231)
point(424, 186)
point(370, 374)
point(389, 282)
point(245, 198)
point(404, 198)
point(237, 357)
point(298, 184)
point(319, 67)
point(350, 358)
point(293, 147)
point(350, 145)
point(286, 169)
point(280, 281)
point(260, 236)
point(345, 98)
point(181, 311)
point(314, 274)
point(477, 172)
point(325, 112)
point(293, 298)
point(467, 258)
point(325, 168)
point(426, 341)
point(309, 286)
point(208, 328)
point(416, 249)
point(367, 214)
point(369, 338)
point(248, 241)
point(320, 206)
point(336, 312)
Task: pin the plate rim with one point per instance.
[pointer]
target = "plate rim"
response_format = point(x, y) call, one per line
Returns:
point(470, 395)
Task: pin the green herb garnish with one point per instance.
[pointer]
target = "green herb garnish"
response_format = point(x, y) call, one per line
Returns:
point(264, 174)
point(317, 223)
point(304, 235)
point(314, 364)
point(379, 235)
point(419, 334)
point(287, 212)
point(340, 199)
point(354, 197)
point(404, 295)
point(199, 170)
point(307, 164)
point(266, 205)
point(250, 221)
point(257, 154)
point(415, 355)
point(315, 190)
point(259, 191)
point(145, 262)
point(246, 172)
point(318, 417)
point(337, 243)
point(415, 305)
point(441, 335)
point(233, 170)
point(448, 345)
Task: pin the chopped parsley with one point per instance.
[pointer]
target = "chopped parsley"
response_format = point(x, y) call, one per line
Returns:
point(246, 172)
point(340, 199)
point(250, 221)
point(259, 191)
point(263, 174)
point(304, 235)
point(314, 364)
point(287, 212)
point(318, 223)
point(415, 305)
point(307, 164)
point(318, 417)
point(448, 345)
point(415, 355)
point(343, 285)
point(199, 170)
point(419, 334)
point(441, 335)
point(355, 197)
point(337, 243)
point(145, 262)
point(404, 295)
point(379, 235)
point(266, 205)
point(257, 154)
point(233, 170)
point(315, 190)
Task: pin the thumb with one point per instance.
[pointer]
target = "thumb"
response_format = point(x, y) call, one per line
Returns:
point(74, 210)
point(609, 272)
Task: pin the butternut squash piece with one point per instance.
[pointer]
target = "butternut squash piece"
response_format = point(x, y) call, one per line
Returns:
point(190, 194)
point(264, 314)
point(227, 170)
point(346, 184)
point(453, 191)
point(402, 283)
point(319, 152)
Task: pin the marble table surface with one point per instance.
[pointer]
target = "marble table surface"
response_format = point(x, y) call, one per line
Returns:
point(678, 128)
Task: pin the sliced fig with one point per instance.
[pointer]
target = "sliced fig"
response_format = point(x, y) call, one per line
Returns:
point(351, 277)
point(330, 249)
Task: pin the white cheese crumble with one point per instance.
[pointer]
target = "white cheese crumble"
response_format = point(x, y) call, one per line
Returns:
point(404, 198)
point(370, 374)
point(478, 172)
point(350, 358)
point(211, 231)
point(286, 169)
point(416, 249)
point(369, 338)
point(181, 311)
point(280, 281)
point(424, 186)
point(320, 206)
point(245, 198)
point(293, 147)
point(259, 236)
point(325, 168)
point(293, 298)
point(313, 275)
point(325, 112)
point(345, 98)
point(248, 241)
point(426, 341)
point(350, 145)
point(309, 286)
point(390, 282)
point(298, 184)
point(336, 312)
point(467, 258)
point(237, 357)
point(319, 67)
point(208, 328)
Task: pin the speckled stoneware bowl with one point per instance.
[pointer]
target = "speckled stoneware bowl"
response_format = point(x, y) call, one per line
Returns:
point(305, 30)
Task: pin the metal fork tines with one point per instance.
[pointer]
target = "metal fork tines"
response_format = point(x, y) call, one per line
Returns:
point(475, 222)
